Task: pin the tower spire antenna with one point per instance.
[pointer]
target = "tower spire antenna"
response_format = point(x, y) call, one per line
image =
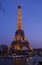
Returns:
point(19, 2)
point(19, 23)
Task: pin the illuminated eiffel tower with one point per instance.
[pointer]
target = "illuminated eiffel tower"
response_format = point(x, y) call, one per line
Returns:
point(20, 40)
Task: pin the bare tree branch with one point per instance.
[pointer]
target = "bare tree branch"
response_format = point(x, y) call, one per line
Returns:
point(1, 6)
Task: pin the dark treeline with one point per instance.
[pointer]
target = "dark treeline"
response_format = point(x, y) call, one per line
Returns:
point(4, 50)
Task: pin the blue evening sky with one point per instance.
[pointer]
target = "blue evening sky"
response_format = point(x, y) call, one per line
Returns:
point(31, 19)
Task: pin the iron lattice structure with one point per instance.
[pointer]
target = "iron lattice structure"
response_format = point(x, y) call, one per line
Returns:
point(20, 39)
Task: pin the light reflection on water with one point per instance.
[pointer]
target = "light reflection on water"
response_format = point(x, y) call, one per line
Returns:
point(21, 61)
point(13, 62)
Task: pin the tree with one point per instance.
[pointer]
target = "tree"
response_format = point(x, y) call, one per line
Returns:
point(3, 49)
point(1, 6)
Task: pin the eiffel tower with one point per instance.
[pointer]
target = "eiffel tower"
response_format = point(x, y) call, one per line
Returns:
point(20, 39)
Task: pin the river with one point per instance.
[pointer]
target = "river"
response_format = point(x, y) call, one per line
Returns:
point(21, 61)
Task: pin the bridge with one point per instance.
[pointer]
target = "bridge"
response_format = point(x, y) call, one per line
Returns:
point(13, 57)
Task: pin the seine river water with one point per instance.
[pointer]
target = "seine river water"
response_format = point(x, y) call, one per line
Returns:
point(12, 62)
point(20, 61)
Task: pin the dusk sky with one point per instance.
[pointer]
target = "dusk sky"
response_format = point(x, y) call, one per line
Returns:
point(31, 19)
